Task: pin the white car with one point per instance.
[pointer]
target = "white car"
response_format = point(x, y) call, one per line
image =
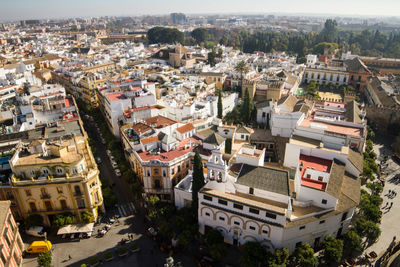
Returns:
point(37, 231)
point(98, 160)
point(117, 172)
point(114, 164)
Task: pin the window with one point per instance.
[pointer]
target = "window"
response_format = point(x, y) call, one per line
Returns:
point(32, 206)
point(164, 173)
point(302, 227)
point(207, 198)
point(237, 206)
point(252, 228)
point(242, 136)
point(321, 222)
point(155, 171)
point(263, 114)
point(265, 232)
point(251, 190)
point(320, 178)
point(59, 170)
point(179, 168)
point(270, 215)
point(324, 201)
point(207, 214)
point(187, 164)
point(173, 170)
point(28, 192)
point(255, 211)
point(81, 203)
point(3, 258)
point(77, 190)
point(298, 244)
point(221, 218)
point(236, 223)
point(5, 236)
point(59, 189)
point(48, 205)
point(63, 204)
point(148, 172)
point(45, 171)
point(10, 222)
point(308, 176)
point(222, 202)
point(74, 170)
point(157, 184)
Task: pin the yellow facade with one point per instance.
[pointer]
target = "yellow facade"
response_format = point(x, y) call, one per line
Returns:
point(56, 177)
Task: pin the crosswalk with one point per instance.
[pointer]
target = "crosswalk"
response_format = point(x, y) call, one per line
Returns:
point(126, 209)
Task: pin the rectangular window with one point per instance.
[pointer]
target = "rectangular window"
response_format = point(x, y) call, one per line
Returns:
point(265, 231)
point(81, 203)
point(157, 184)
point(32, 206)
point(222, 202)
point(270, 215)
point(48, 205)
point(207, 214)
point(237, 206)
point(255, 211)
point(5, 236)
point(179, 168)
point(63, 204)
point(10, 223)
point(236, 223)
point(3, 258)
point(302, 227)
point(251, 190)
point(164, 173)
point(221, 218)
point(252, 228)
point(207, 197)
point(324, 201)
point(321, 222)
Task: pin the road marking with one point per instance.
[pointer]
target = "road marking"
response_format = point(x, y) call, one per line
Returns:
point(119, 211)
point(123, 210)
point(132, 206)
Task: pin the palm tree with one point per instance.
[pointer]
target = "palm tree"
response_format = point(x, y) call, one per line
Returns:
point(242, 68)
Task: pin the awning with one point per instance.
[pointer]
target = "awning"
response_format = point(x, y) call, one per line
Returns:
point(75, 228)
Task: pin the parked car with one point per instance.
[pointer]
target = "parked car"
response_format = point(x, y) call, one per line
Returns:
point(39, 247)
point(108, 153)
point(117, 172)
point(37, 231)
point(98, 160)
point(114, 164)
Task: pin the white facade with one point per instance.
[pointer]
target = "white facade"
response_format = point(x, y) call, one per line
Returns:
point(283, 124)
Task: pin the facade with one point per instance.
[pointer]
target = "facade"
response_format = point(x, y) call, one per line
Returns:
point(160, 150)
point(326, 75)
point(214, 77)
point(264, 205)
point(11, 245)
point(56, 176)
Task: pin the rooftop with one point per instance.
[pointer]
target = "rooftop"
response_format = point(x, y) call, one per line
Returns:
point(4, 207)
point(264, 178)
point(316, 164)
point(327, 127)
point(185, 128)
point(116, 96)
point(159, 121)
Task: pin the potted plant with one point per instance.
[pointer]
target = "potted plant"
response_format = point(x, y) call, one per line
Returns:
point(94, 261)
point(108, 256)
point(122, 251)
point(134, 247)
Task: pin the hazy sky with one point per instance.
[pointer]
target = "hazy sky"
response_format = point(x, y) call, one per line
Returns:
point(37, 9)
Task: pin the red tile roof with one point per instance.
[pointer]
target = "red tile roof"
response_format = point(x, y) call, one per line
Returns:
point(316, 164)
point(149, 140)
point(345, 130)
point(140, 128)
point(159, 121)
point(170, 155)
point(115, 96)
point(185, 128)
point(68, 102)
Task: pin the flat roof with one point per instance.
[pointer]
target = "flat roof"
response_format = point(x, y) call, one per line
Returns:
point(340, 129)
point(264, 178)
point(317, 164)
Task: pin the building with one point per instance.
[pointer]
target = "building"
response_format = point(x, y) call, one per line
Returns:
point(358, 73)
point(325, 75)
point(53, 176)
point(160, 150)
point(382, 65)
point(383, 91)
point(11, 245)
point(215, 78)
point(181, 57)
point(276, 207)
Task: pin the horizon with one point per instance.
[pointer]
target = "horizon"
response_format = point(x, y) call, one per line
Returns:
point(40, 9)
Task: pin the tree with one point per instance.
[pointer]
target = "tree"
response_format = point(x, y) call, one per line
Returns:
point(63, 219)
point(329, 32)
point(214, 237)
point(44, 259)
point(228, 146)
point(200, 35)
point(197, 181)
point(367, 229)
point(219, 105)
point(165, 35)
point(218, 251)
point(87, 217)
point(304, 255)
point(211, 57)
point(333, 249)
point(242, 68)
point(320, 48)
point(312, 89)
point(220, 53)
point(281, 256)
point(352, 241)
point(34, 220)
point(247, 107)
point(253, 254)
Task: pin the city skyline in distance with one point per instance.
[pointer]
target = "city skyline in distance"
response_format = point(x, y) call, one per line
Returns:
point(43, 9)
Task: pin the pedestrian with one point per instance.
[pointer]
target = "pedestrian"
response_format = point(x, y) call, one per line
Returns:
point(387, 203)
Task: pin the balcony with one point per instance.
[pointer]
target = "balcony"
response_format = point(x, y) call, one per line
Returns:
point(78, 194)
point(45, 196)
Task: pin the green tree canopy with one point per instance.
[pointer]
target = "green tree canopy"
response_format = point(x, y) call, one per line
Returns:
point(219, 105)
point(253, 254)
point(198, 180)
point(304, 255)
point(34, 220)
point(200, 35)
point(352, 241)
point(165, 35)
point(44, 259)
point(333, 249)
point(248, 107)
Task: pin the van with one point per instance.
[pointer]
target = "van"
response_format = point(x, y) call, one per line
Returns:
point(37, 231)
point(39, 247)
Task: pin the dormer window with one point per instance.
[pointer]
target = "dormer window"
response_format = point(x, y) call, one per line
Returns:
point(45, 171)
point(59, 170)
